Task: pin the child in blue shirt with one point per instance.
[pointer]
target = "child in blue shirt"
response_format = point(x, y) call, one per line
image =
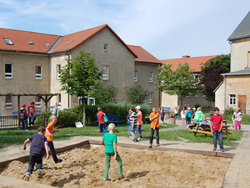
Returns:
point(38, 148)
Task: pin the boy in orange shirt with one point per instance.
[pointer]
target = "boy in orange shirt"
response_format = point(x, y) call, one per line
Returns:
point(154, 118)
point(49, 136)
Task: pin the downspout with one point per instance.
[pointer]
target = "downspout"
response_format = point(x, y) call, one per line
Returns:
point(225, 98)
point(68, 94)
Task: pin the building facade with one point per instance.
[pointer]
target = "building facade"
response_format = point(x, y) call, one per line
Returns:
point(29, 64)
point(195, 63)
point(234, 90)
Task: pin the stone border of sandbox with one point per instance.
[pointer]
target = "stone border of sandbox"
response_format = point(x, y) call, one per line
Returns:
point(94, 142)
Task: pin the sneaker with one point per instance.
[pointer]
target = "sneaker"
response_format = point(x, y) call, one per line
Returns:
point(39, 171)
point(26, 129)
point(27, 176)
point(59, 161)
point(214, 149)
point(150, 145)
point(222, 150)
point(141, 139)
point(106, 179)
point(120, 177)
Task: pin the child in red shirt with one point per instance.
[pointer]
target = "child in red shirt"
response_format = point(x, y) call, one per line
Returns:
point(100, 115)
point(216, 123)
point(31, 113)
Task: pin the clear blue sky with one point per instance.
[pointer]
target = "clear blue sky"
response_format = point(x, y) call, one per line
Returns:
point(166, 28)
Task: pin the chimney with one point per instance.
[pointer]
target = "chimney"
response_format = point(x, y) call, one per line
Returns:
point(185, 56)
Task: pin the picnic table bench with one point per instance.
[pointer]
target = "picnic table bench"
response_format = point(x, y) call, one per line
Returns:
point(224, 128)
point(112, 119)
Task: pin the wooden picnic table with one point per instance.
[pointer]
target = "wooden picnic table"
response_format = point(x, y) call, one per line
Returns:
point(224, 128)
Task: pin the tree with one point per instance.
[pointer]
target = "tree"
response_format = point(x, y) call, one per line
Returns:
point(103, 94)
point(80, 76)
point(137, 94)
point(211, 74)
point(179, 82)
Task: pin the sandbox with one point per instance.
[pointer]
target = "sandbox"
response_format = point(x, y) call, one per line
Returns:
point(84, 167)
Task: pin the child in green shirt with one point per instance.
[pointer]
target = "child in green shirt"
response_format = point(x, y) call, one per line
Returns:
point(110, 140)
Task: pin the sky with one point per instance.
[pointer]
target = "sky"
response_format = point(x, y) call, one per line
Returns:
point(166, 28)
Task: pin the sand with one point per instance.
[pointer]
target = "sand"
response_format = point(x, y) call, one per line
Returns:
point(84, 167)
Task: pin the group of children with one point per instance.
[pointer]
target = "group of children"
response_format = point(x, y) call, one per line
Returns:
point(187, 114)
point(42, 143)
point(23, 115)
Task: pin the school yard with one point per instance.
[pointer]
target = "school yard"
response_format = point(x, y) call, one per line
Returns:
point(236, 172)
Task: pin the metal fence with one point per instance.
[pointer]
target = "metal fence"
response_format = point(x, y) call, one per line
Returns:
point(12, 122)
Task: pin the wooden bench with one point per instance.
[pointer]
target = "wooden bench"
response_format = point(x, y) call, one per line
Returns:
point(224, 128)
point(112, 119)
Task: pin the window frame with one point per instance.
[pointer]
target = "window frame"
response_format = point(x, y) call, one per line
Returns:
point(9, 105)
point(105, 47)
point(105, 76)
point(150, 98)
point(8, 41)
point(135, 76)
point(38, 76)
point(38, 104)
point(232, 98)
point(8, 75)
point(58, 68)
point(151, 79)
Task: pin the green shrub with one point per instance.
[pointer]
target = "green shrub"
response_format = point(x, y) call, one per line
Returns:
point(229, 111)
point(67, 118)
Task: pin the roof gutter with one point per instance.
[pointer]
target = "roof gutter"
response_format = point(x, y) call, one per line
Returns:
point(18, 51)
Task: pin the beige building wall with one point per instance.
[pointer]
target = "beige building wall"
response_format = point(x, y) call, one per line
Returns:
point(220, 97)
point(23, 81)
point(169, 101)
point(143, 78)
point(240, 55)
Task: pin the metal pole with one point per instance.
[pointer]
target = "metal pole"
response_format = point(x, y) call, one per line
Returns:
point(18, 103)
point(46, 109)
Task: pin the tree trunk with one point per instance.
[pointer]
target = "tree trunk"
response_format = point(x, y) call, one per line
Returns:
point(83, 112)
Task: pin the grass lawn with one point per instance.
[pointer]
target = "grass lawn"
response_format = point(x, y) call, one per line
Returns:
point(9, 137)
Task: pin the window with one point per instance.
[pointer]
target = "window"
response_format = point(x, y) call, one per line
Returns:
point(8, 102)
point(151, 77)
point(8, 71)
point(30, 43)
point(58, 68)
point(38, 102)
point(197, 76)
point(105, 47)
point(135, 76)
point(232, 99)
point(105, 73)
point(47, 44)
point(59, 99)
point(151, 98)
point(38, 73)
point(8, 41)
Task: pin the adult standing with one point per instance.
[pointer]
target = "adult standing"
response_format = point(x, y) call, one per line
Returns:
point(133, 122)
point(31, 113)
point(100, 115)
point(139, 122)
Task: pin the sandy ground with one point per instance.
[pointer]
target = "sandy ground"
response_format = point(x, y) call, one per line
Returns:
point(84, 167)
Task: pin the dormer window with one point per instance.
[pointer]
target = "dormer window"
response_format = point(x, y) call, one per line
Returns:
point(69, 42)
point(47, 44)
point(8, 41)
point(30, 42)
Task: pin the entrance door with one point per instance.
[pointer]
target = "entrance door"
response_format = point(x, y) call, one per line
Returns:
point(242, 103)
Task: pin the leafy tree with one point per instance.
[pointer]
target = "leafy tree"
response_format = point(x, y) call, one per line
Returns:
point(211, 74)
point(179, 82)
point(137, 94)
point(103, 94)
point(80, 76)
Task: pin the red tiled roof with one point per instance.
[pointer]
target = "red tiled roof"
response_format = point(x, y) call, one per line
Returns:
point(67, 42)
point(21, 38)
point(143, 55)
point(195, 62)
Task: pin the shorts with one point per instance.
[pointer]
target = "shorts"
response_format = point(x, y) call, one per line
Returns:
point(138, 130)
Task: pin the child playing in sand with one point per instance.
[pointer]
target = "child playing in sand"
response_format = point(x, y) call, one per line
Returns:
point(110, 140)
point(154, 118)
point(216, 123)
point(49, 135)
point(238, 118)
point(38, 147)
